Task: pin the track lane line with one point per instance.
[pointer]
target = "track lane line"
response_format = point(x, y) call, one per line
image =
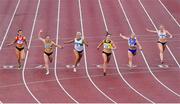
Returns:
point(63, 79)
point(85, 58)
point(56, 54)
point(169, 13)
point(114, 56)
point(166, 46)
point(27, 53)
point(7, 30)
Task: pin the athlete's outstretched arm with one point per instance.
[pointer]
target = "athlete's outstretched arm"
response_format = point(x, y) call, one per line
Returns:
point(26, 42)
point(59, 46)
point(124, 37)
point(139, 45)
point(68, 42)
point(113, 45)
point(39, 36)
point(169, 34)
point(12, 43)
point(100, 44)
point(152, 31)
point(85, 42)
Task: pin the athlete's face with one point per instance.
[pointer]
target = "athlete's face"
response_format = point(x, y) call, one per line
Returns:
point(20, 32)
point(161, 27)
point(78, 35)
point(47, 38)
point(108, 38)
point(133, 36)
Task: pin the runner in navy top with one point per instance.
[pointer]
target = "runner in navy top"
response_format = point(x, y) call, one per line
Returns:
point(132, 43)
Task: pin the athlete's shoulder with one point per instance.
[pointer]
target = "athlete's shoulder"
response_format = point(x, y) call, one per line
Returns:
point(16, 37)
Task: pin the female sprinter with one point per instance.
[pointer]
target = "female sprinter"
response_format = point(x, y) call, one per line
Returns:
point(108, 45)
point(48, 50)
point(132, 42)
point(162, 33)
point(78, 48)
point(19, 41)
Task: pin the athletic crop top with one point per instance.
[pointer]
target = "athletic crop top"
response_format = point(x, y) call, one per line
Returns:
point(132, 42)
point(20, 39)
point(107, 45)
point(78, 44)
point(162, 35)
point(48, 45)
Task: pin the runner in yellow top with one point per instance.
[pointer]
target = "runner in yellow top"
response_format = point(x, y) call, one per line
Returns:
point(108, 45)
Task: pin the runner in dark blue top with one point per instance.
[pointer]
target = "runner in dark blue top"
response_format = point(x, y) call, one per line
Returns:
point(132, 42)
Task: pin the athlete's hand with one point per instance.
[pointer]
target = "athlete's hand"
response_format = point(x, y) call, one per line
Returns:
point(41, 31)
point(140, 48)
point(171, 36)
point(147, 29)
point(27, 49)
point(97, 48)
point(120, 35)
point(61, 47)
point(9, 44)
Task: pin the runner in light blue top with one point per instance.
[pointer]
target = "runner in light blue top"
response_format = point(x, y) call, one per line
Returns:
point(163, 38)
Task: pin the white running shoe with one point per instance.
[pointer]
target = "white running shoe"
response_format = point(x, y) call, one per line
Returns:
point(133, 66)
point(161, 66)
point(70, 66)
point(166, 66)
point(47, 73)
point(78, 64)
point(74, 70)
point(67, 66)
point(99, 66)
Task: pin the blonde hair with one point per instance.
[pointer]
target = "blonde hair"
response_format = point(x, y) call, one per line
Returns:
point(79, 33)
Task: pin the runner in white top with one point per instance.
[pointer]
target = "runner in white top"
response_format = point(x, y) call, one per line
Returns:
point(163, 38)
point(78, 48)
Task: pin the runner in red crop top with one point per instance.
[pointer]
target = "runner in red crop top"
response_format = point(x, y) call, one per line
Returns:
point(19, 42)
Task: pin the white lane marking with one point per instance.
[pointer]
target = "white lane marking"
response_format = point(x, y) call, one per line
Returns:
point(178, 26)
point(55, 64)
point(114, 56)
point(167, 47)
point(81, 77)
point(85, 58)
point(27, 53)
point(8, 66)
point(169, 13)
point(7, 30)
